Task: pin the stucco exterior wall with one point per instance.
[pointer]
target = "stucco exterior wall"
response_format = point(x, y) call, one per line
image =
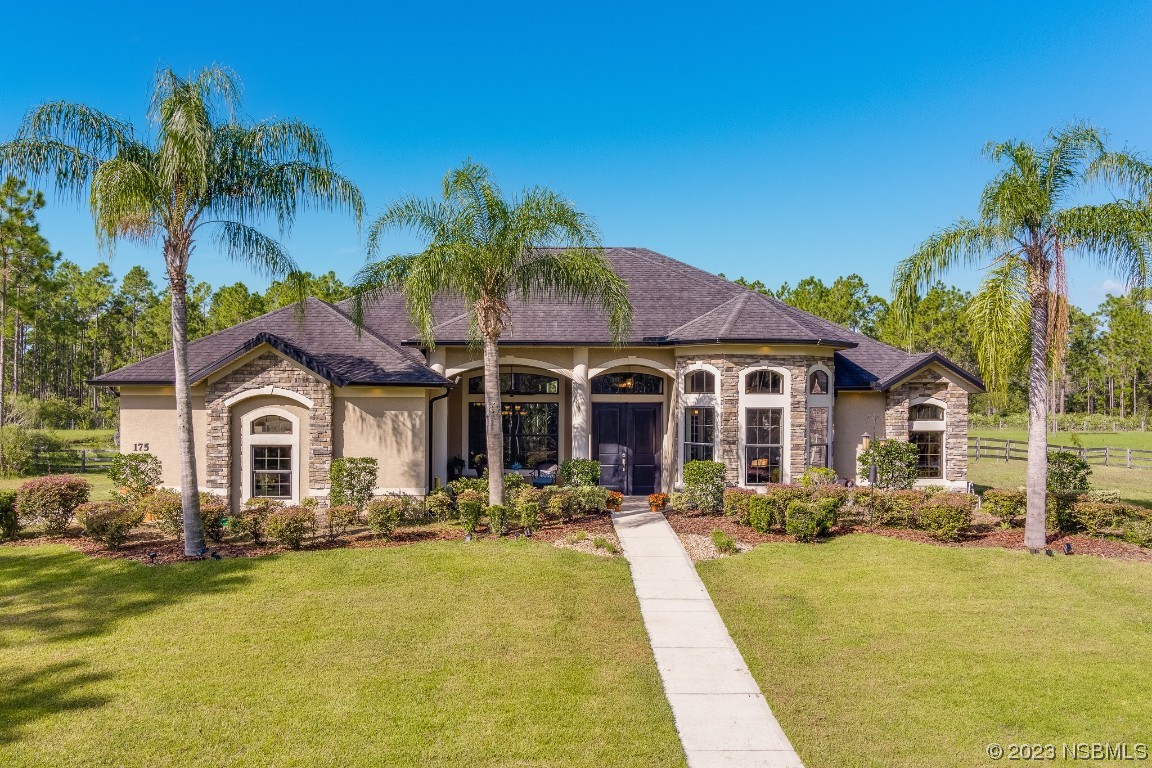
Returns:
point(393, 430)
point(148, 417)
point(856, 413)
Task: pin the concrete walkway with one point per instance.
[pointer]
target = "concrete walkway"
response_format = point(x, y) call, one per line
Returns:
point(722, 717)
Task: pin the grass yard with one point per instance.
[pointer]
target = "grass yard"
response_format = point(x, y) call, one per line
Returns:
point(510, 653)
point(1141, 440)
point(1133, 485)
point(886, 653)
point(102, 486)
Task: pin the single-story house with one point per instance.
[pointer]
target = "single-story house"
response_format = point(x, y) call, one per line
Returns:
point(711, 371)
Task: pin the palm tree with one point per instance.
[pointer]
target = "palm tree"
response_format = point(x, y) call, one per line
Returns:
point(203, 170)
point(1028, 226)
point(485, 249)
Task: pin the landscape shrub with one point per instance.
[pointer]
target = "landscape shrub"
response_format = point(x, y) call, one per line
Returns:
point(162, 507)
point(438, 505)
point(1005, 504)
point(897, 463)
point(470, 505)
point(592, 499)
point(817, 476)
point(704, 482)
point(384, 514)
point(1059, 514)
point(836, 495)
point(497, 519)
point(1096, 517)
point(736, 503)
point(51, 501)
point(808, 520)
point(135, 475)
point(290, 526)
point(108, 522)
point(338, 519)
point(761, 513)
point(1068, 473)
point(725, 544)
point(214, 513)
point(513, 482)
point(945, 516)
point(249, 522)
point(1138, 531)
point(778, 497)
point(899, 508)
point(1103, 495)
point(579, 472)
point(9, 520)
point(353, 481)
point(681, 502)
point(526, 504)
point(461, 484)
point(561, 503)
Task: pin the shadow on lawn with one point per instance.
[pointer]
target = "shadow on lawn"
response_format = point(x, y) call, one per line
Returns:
point(50, 599)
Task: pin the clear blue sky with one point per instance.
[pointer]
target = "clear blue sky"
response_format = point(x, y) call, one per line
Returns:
point(752, 139)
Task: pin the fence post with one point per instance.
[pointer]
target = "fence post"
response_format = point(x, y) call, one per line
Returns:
point(1107, 453)
point(83, 462)
point(1129, 458)
point(1007, 450)
point(977, 449)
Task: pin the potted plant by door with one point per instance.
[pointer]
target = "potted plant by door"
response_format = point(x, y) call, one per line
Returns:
point(657, 501)
point(615, 499)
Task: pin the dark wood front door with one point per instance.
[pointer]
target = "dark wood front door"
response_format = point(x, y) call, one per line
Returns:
point(626, 440)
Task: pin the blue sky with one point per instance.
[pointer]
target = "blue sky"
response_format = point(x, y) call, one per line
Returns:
point(770, 142)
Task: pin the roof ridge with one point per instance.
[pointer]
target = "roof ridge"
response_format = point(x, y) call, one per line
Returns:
point(740, 302)
point(363, 328)
point(672, 333)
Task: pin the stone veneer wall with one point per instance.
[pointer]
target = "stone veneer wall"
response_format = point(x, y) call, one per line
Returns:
point(730, 367)
point(268, 369)
point(931, 384)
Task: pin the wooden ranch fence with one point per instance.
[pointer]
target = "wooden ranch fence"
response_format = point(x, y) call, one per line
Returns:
point(1017, 450)
point(72, 461)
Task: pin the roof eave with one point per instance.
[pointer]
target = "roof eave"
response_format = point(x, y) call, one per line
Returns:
point(884, 385)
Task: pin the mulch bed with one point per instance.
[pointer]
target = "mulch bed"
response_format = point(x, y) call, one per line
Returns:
point(703, 524)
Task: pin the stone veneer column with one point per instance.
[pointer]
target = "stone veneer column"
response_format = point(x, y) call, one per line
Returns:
point(268, 370)
point(581, 434)
point(955, 399)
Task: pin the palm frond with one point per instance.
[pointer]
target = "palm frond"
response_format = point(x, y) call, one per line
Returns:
point(428, 220)
point(1116, 236)
point(998, 317)
point(1073, 148)
point(125, 202)
point(69, 168)
point(253, 248)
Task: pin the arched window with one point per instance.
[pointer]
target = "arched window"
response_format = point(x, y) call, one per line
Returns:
point(518, 384)
point(763, 383)
point(699, 383)
point(628, 384)
point(926, 432)
point(925, 412)
point(818, 383)
point(271, 425)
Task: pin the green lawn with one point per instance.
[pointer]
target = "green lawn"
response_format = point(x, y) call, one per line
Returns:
point(1133, 485)
point(102, 487)
point(1141, 440)
point(880, 652)
point(510, 653)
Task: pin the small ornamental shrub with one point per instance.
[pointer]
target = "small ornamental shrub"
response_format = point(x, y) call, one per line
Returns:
point(108, 522)
point(290, 526)
point(725, 544)
point(946, 515)
point(353, 481)
point(807, 520)
point(835, 495)
point(561, 503)
point(249, 522)
point(1068, 473)
point(704, 482)
point(580, 472)
point(497, 519)
point(163, 508)
point(9, 520)
point(1138, 532)
point(1103, 495)
point(50, 501)
point(462, 484)
point(136, 475)
point(761, 513)
point(779, 496)
point(817, 476)
point(438, 506)
point(682, 502)
point(736, 502)
point(898, 509)
point(1058, 511)
point(1005, 504)
point(384, 514)
point(1095, 517)
point(897, 463)
point(602, 543)
point(526, 504)
point(337, 519)
point(513, 482)
point(592, 499)
point(214, 513)
point(470, 504)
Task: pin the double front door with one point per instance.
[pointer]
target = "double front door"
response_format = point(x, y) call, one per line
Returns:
point(626, 439)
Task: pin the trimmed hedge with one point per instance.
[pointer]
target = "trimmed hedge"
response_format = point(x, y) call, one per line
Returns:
point(9, 520)
point(291, 526)
point(109, 522)
point(384, 514)
point(51, 501)
point(945, 516)
point(808, 520)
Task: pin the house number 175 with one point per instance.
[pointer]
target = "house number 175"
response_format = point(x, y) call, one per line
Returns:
point(139, 446)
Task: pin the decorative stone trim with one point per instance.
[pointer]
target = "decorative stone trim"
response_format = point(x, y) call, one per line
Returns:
point(932, 385)
point(268, 374)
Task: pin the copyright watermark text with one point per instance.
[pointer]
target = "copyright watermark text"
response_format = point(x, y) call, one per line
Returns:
point(1087, 751)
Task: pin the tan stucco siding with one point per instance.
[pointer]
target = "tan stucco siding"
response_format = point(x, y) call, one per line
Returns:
point(393, 430)
point(856, 413)
point(148, 417)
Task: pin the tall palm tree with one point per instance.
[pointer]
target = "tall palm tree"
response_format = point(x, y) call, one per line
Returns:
point(201, 170)
point(1028, 225)
point(485, 249)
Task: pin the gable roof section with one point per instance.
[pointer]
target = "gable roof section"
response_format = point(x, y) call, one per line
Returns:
point(321, 339)
point(873, 365)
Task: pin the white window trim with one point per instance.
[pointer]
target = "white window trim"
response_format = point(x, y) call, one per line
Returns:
point(782, 401)
point(932, 425)
point(697, 400)
point(561, 423)
point(819, 401)
point(248, 440)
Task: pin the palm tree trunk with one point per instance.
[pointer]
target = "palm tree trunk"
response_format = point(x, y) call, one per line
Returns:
point(189, 494)
point(492, 421)
point(1035, 536)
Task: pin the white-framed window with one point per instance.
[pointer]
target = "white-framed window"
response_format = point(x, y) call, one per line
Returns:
point(531, 419)
point(926, 430)
point(270, 454)
point(699, 404)
point(818, 427)
point(765, 421)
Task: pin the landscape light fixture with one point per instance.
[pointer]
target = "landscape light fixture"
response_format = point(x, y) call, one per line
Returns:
point(1067, 547)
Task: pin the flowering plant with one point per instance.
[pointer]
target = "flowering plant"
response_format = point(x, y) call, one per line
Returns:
point(658, 499)
point(615, 499)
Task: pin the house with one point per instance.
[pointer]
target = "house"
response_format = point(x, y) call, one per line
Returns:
point(711, 371)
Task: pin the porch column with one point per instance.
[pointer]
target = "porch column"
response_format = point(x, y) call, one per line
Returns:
point(581, 405)
point(438, 451)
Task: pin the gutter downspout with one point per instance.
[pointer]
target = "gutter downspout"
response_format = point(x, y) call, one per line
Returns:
point(432, 402)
